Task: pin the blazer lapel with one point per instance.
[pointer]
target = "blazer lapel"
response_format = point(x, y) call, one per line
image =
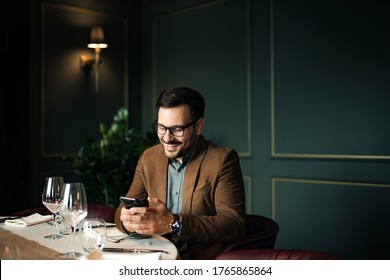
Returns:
point(160, 179)
point(191, 175)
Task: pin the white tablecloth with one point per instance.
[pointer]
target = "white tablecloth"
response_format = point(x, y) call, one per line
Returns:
point(37, 232)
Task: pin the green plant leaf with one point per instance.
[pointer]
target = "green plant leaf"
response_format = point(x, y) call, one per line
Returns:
point(106, 165)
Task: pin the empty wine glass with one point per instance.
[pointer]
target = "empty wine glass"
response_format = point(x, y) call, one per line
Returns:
point(62, 227)
point(73, 209)
point(92, 234)
point(51, 198)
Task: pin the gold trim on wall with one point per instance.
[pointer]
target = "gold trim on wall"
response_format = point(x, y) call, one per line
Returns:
point(85, 11)
point(247, 153)
point(248, 193)
point(154, 41)
point(318, 182)
point(274, 153)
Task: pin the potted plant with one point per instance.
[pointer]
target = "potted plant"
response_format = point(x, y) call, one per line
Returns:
point(106, 166)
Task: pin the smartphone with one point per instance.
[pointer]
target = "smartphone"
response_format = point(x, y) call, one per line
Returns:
point(129, 202)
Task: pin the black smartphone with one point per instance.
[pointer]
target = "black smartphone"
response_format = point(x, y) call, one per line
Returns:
point(129, 202)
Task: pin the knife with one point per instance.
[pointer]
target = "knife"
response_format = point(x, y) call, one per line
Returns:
point(133, 250)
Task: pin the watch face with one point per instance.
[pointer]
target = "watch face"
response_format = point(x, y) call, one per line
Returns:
point(176, 225)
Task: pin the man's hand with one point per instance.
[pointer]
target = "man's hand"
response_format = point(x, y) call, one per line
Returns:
point(148, 220)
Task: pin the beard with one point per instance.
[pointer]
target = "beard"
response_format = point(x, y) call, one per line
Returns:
point(176, 149)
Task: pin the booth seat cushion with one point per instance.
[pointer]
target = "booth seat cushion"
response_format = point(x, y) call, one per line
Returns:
point(261, 233)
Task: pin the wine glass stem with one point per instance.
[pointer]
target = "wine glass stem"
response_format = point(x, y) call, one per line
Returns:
point(72, 242)
point(54, 224)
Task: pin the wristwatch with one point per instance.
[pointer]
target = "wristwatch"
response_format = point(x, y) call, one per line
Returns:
point(176, 224)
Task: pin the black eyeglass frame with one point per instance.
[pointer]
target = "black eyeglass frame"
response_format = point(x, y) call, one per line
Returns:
point(179, 129)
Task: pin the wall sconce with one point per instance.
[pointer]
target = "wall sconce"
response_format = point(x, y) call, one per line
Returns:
point(96, 42)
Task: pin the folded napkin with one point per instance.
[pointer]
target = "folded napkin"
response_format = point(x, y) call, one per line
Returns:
point(29, 220)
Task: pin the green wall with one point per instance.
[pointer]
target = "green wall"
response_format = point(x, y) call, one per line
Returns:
point(299, 88)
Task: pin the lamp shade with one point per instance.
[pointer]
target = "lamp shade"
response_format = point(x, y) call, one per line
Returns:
point(97, 38)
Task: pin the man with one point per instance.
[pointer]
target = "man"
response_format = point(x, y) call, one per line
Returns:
point(193, 190)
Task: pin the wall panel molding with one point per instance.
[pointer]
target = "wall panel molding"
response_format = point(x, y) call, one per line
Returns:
point(346, 218)
point(167, 23)
point(248, 193)
point(358, 118)
point(70, 106)
point(352, 184)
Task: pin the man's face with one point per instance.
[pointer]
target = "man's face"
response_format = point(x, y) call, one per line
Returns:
point(176, 147)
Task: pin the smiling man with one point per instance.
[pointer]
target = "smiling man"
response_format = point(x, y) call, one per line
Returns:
point(191, 189)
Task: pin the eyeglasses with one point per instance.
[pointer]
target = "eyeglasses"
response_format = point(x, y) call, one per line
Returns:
point(177, 131)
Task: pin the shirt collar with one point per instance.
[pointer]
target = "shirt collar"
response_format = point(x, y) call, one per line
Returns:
point(184, 161)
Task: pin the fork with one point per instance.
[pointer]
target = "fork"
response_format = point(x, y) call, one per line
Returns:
point(116, 239)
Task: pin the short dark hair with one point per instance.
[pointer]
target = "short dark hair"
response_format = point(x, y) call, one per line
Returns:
point(177, 96)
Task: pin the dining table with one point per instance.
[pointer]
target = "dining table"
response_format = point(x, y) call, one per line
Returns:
point(31, 244)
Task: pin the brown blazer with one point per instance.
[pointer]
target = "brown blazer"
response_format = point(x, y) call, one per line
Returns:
point(213, 205)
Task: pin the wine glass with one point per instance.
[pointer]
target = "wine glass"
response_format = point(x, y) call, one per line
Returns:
point(92, 234)
point(73, 209)
point(62, 227)
point(51, 198)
